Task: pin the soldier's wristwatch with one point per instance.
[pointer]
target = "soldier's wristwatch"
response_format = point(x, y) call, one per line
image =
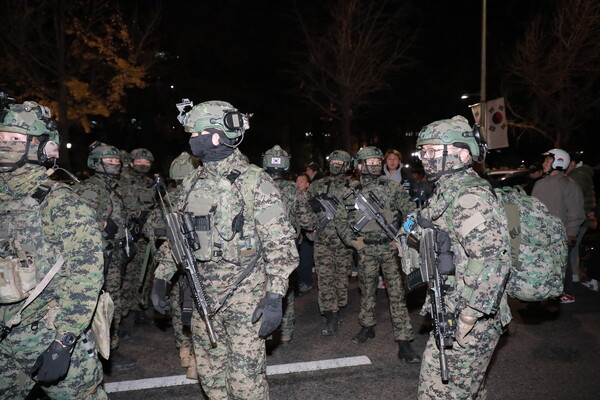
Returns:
point(67, 339)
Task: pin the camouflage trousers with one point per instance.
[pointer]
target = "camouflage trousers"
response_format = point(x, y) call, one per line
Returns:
point(21, 348)
point(371, 260)
point(183, 338)
point(236, 368)
point(289, 316)
point(136, 288)
point(333, 263)
point(113, 285)
point(466, 366)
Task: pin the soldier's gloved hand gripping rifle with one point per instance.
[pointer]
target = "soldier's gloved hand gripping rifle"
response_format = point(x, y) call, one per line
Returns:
point(372, 210)
point(183, 242)
point(435, 262)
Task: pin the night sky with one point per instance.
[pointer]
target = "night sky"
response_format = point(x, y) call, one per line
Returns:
point(243, 52)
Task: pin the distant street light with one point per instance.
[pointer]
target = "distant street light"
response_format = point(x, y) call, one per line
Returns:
point(69, 145)
point(467, 95)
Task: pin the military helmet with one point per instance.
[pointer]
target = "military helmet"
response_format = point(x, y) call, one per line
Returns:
point(29, 118)
point(561, 159)
point(216, 114)
point(277, 158)
point(368, 152)
point(99, 150)
point(141, 153)
point(455, 131)
point(340, 155)
point(181, 166)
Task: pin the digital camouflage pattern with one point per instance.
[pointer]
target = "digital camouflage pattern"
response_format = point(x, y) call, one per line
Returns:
point(378, 254)
point(538, 247)
point(67, 304)
point(333, 259)
point(101, 192)
point(139, 199)
point(236, 368)
point(476, 224)
point(449, 131)
point(289, 194)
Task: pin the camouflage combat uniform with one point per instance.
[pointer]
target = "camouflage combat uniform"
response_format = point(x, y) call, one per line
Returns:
point(101, 192)
point(139, 201)
point(378, 253)
point(68, 227)
point(476, 225)
point(236, 367)
point(333, 259)
point(289, 194)
point(464, 206)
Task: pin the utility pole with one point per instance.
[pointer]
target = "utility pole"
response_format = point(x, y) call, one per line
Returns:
point(482, 93)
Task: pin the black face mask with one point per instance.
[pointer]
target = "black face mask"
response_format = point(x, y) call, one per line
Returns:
point(203, 147)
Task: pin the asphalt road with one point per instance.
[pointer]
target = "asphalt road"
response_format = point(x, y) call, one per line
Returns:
point(550, 351)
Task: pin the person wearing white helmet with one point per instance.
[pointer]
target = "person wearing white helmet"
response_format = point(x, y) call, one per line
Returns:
point(564, 198)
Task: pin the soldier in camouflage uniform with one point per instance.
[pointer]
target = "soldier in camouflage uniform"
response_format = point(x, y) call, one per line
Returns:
point(140, 200)
point(244, 265)
point(276, 162)
point(45, 228)
point(181, 167)
point(464, 206)
point(375, 250)
point(333, 259)
point(102, 192)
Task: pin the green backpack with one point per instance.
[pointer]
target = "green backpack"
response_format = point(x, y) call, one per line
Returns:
point(538, 242)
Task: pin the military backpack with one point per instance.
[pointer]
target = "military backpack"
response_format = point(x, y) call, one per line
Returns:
point(538, 243)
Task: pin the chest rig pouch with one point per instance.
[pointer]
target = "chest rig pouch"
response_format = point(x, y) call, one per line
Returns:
point(217, 211)
point(25, 257)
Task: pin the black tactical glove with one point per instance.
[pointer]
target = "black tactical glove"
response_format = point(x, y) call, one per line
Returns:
point(53, 364)
point(159, 298)
point(270, 307)
point(111, 228)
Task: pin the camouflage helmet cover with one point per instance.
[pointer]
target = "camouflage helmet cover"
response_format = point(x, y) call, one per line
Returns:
point(181, 166)
point(29, 118)
point(340, 155)
point(215, 114)
point(368, 152)
point(454, 131)
point(277, 158)
point(142, 153)
point(100, 151)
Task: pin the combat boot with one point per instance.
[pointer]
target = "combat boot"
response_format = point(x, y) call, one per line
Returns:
point(192, 371)
point(406, 352)
point(332, 323)
point(185, 355)
point(119, 362)
point(366, 332)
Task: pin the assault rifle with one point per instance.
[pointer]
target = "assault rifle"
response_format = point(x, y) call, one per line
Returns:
point(183, 242)
point(443, 321)
point(373, 212)
point(327, 204)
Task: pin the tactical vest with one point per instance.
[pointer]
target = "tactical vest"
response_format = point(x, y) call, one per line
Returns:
point(223, 215)
point(381, 189)
point(108, 204)
point(25, 255)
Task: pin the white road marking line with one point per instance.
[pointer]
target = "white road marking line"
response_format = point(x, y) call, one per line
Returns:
point(166, 381)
